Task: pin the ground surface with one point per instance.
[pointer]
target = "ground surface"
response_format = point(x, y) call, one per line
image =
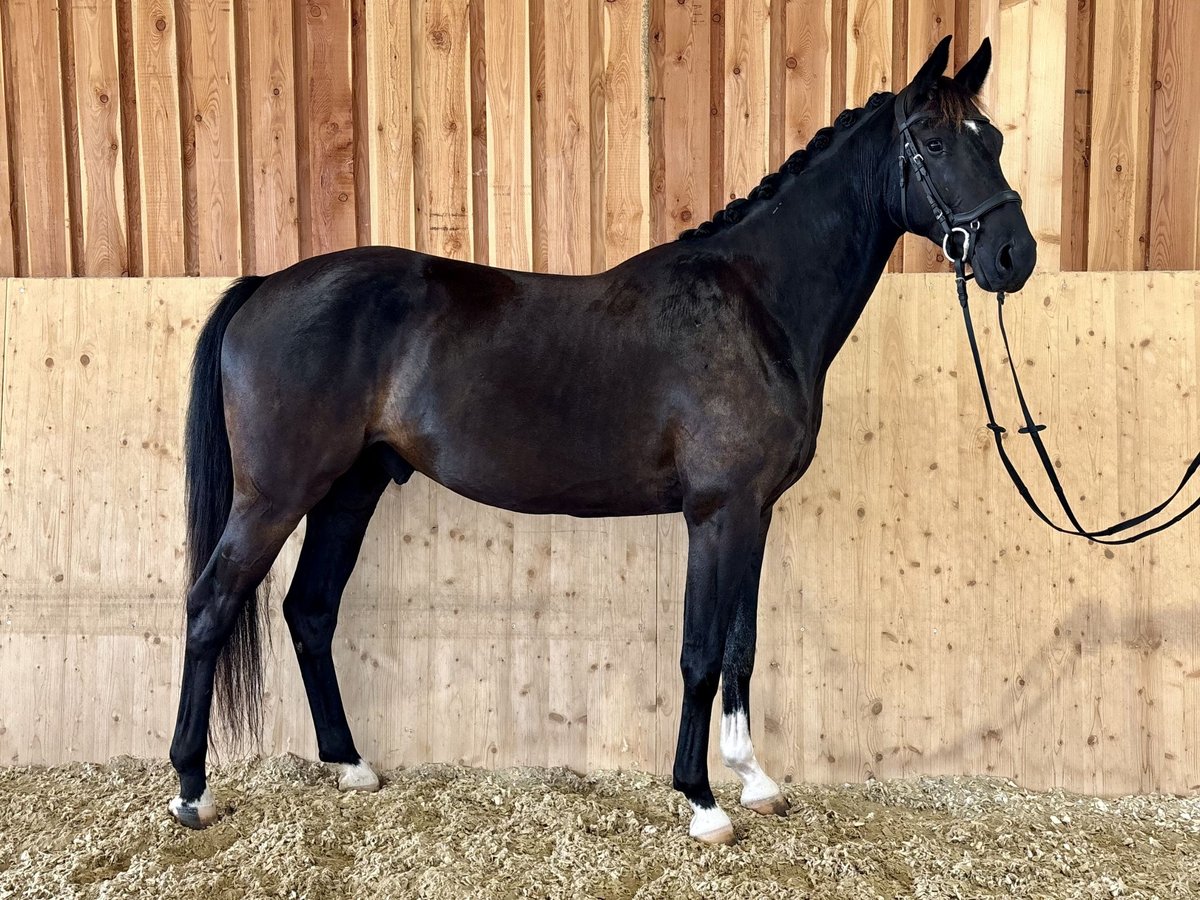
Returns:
point(445, 832)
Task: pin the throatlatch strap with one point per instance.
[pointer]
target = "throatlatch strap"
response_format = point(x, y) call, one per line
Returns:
point(1034, 430)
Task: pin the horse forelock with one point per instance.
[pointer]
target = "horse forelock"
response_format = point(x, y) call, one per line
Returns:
point(952, 104)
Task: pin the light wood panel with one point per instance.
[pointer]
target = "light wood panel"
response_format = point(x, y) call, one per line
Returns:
point(914, 617)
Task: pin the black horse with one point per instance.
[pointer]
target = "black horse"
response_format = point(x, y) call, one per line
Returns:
point(689, 378)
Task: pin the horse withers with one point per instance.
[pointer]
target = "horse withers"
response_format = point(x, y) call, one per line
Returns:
point(686, 379)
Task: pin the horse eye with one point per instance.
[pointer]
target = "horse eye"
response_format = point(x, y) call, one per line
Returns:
point(936, 146)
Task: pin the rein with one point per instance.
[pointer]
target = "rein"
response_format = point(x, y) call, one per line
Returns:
point(952, 223)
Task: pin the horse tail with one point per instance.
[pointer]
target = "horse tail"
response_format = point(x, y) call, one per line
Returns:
point(209, 474)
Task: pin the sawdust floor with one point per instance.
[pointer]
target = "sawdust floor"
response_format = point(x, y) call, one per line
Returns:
point(448, 832)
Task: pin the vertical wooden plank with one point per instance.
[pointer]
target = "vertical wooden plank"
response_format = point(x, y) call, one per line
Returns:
point(868, 50)
point(718, 119)
point(1175, 178)
point(684, 92)
point(807, 79)
point(691, 147)
point(984, 21)
point(8, 250)
point(97, 131)
point(441, 160)
point(325, 126)
point(596, 136)
point(33, 76)
point(160, 177)
point(775, 65)
point(623, 656)
point(441, 127)
point(1030, 76)
point(747, 94)
point(627, 172)
point(360, 87)
point(656, 67)
point(508, 136)
point(928, 22)
point(477, 30)
point(1122, 83)
point(1077, 142)
point(268, 104)
point(567, 213)
point(212, 122)
point(390, 118)
point(566, 110)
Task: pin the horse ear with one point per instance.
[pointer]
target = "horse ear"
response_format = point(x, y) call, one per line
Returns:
point(973, 73)
point(933, 68)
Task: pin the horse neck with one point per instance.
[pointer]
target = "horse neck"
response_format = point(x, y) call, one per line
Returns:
point(823, 242)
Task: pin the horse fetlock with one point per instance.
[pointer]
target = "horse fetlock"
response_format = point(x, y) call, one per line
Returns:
point(198, 813)
point(760, 793)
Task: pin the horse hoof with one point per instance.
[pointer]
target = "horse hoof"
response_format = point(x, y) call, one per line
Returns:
point(769, 806)
point(357, 777)
point(195, 814)
point(723, 835)
point(710, 825)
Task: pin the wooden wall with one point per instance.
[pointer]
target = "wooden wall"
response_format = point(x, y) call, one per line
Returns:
point(214, 137)
point(915, 618)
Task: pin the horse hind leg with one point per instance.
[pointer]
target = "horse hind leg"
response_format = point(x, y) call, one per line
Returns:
point(251, 540)
point(334, 536)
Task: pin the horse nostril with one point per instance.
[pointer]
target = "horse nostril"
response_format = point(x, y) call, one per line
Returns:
point(1004, 258)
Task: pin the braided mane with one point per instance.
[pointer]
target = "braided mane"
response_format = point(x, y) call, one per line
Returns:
point(736, 210)
point(950, 103)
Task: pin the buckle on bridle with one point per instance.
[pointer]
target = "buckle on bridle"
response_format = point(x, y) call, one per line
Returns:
point(966, 246)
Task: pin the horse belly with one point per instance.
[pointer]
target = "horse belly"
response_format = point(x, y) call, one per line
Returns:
point(518, 460)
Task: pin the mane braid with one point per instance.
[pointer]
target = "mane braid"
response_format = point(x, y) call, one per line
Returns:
point(736, 210)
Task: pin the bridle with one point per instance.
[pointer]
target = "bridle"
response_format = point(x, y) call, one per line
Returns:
point(912, 167)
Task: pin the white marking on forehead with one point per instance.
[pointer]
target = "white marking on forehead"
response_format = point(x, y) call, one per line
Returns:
point(972, 125)
point(738, 753)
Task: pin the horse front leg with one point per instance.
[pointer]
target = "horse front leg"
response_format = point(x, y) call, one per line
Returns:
point(724, 548)
point(760, 793)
